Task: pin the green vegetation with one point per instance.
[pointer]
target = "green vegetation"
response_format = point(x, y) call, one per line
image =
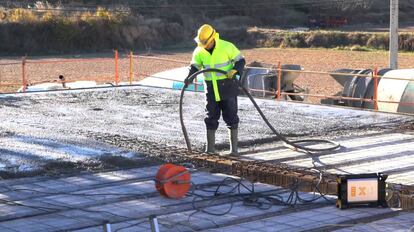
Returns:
point(60, 26)
point(23, 31)
point(354, 41)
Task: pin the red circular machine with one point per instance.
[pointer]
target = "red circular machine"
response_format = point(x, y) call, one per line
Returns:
point(173, 181)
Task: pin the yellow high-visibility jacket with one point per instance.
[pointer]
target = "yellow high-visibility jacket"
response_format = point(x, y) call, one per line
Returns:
point(224, 56)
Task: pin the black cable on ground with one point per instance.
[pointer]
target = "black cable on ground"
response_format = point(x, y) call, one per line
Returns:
point(290, 144)
point(229, 190)
point(240, 190)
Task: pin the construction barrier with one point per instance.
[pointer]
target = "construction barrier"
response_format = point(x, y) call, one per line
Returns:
point(280, 95)
point(129, 68)
point(8, 80)
point(54, 68)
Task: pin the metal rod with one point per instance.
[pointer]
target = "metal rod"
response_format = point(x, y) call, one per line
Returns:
point(375, 89)
point(329, 73)
point(164, 59)
point(10, 84)
point(327, 96)
point(11, 63)
point(116, 68)
point(107, 227)
point(154, 223)
point(279, 80)
point(24, 81)
point(131, 67)
point(399, 103)
point(69, 60)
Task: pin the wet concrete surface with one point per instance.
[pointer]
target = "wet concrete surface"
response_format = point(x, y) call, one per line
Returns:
point(76, 118)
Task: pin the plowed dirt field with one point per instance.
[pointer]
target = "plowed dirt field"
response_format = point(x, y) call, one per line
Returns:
point(87, 67)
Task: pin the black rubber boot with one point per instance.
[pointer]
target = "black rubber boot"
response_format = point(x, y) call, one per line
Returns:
point(211, 141)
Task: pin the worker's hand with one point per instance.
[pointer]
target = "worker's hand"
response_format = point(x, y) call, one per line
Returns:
point(231, 74)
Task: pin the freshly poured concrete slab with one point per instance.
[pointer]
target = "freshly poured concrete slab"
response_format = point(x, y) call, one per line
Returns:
point(37, 128)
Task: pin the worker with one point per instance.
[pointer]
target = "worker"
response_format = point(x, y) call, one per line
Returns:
point(63, 81)
point(221, 89)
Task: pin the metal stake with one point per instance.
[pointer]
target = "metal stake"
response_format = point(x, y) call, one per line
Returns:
point(107, 227)
point(154, 223)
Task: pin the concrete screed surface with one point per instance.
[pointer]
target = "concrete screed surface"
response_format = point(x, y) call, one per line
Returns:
point(36, 128)
point(126, 198)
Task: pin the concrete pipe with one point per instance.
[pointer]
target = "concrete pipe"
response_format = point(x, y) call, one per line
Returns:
point(401, 90)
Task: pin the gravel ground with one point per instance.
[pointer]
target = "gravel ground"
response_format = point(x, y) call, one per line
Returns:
point(63, 125)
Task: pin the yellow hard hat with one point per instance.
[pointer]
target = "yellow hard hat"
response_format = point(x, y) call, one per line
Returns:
point(205, 35)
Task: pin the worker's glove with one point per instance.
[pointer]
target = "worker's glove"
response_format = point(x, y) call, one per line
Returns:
point(187, 81)
point(231, 74)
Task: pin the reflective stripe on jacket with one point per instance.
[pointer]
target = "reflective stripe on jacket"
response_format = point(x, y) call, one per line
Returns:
point(224, 55)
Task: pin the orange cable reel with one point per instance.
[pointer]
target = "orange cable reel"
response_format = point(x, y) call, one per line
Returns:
point(173, 181)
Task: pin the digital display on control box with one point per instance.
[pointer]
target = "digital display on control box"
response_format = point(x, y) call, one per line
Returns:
point(362, 190)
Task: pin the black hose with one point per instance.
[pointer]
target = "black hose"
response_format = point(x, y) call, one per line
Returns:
point(187, 140)
point(290, 144)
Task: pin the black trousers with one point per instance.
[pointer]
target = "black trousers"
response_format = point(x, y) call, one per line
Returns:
point(227, 107)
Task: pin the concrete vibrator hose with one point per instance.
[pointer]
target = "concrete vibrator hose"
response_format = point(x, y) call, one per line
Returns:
point(295, 145)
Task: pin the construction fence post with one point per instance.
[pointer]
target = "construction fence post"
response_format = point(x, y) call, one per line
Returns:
point(137, 67)
point(131, 67)
point(375, 89)
point(279, 80)
point(116, 68)
point(24, 81)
